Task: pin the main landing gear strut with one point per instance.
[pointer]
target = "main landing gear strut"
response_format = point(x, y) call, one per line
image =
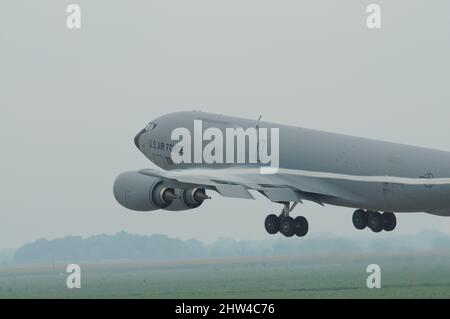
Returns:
point(374, 220)
point(285, 224)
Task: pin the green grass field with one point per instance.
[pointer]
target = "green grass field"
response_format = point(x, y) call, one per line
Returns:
point(406, 276)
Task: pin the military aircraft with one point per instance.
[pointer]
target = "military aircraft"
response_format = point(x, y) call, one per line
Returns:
point(376, 178)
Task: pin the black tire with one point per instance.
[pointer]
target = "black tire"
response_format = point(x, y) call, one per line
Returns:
point(287, 226)
point(272, 224)
point(360, 219)
point(301, 226)
point(389, 221)
point(375, 222)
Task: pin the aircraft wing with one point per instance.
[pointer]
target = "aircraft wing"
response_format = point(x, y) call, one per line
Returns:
point(236, 183)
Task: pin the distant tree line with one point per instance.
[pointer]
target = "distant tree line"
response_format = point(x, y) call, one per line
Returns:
point(125, 246)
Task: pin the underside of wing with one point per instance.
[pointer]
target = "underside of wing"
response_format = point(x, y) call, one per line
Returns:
point(236, 183)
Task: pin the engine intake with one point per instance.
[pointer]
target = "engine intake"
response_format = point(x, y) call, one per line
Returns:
point(142, 193)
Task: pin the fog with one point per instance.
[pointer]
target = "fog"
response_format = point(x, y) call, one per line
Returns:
point(72, 100)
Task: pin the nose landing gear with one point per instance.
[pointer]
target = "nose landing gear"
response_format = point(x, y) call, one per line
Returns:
point(285, 224)
point(375, 221)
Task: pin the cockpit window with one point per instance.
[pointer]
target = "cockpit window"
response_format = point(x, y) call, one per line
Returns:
point(150, 126)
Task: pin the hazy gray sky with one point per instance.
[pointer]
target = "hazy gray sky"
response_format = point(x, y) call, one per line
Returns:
point(72, 100)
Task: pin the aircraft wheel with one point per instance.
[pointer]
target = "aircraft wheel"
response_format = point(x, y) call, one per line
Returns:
point(301, 226)
point(360, 219)
point(375, 222)
point(287, 226)
point(272, 224)
point(389, 221)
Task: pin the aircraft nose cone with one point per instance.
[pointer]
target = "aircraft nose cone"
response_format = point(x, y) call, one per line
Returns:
point(137, 137)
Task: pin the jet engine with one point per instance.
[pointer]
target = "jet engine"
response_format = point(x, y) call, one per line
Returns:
point(142, 193)
point(188, 199)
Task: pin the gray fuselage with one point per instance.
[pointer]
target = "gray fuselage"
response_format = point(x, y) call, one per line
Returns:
point(317, 151)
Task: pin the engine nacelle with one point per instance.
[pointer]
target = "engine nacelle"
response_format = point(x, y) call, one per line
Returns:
point(188, 199)
point(142, 193)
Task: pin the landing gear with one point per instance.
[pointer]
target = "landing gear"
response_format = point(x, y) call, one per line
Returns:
point(360, 219)
point(389, 221)
point(285, 224)
point(374, 220)
point(272, 224)
point(301, 226)
point(287, 227)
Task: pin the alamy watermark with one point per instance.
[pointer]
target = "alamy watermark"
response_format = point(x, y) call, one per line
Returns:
point(373, 20)
point(374, 279)
point(239, 146)
point(73, 20)
point(74, 278)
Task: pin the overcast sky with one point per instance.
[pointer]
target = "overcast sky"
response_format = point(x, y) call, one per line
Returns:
point(72, 100)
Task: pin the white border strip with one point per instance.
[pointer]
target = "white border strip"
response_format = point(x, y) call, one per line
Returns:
point(373, 179)
point(227, 172)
